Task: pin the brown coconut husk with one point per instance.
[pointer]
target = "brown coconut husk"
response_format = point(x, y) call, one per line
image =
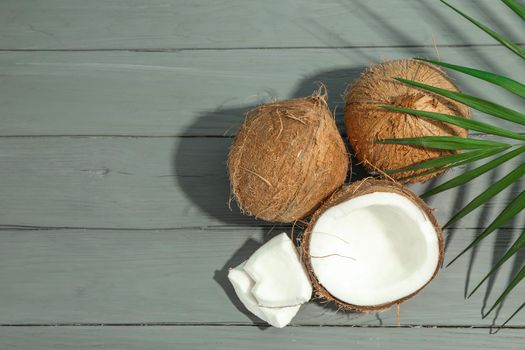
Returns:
point(287, 157)
point(360, 188)
point(365, 120)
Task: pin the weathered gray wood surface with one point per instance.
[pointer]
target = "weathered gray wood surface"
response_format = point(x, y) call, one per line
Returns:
point(114, 117)
point(209, 337)
point(161, 24)
point(198, 93)
point(179, 276)
point(156, 183)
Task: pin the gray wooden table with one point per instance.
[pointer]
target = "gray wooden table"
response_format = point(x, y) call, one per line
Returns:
point(115, 122)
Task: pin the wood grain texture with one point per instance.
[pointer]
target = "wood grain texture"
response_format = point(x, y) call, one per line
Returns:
point(180, 276)
point(157, 183)
point(195, 92)
point(114, 117)
point(99, 24)
point(144, 338)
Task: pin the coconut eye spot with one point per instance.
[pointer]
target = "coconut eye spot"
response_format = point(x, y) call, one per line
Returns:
point(374, 249)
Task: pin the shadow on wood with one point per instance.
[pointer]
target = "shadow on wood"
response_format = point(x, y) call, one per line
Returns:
point(221, 277)
point(207, 155)
point(503, 242)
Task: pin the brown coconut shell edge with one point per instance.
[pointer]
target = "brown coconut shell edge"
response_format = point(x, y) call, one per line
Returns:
point(360, 188)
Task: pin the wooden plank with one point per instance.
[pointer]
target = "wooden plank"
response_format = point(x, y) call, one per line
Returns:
point(76, 24)
point(193, 92)
point(143, 338)
point(154, 183)
point(180, 276)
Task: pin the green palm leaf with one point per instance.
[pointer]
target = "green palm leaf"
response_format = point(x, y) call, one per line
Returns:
point(508, 213)
point(479, 151)
point(506, 42)
point(520, 242)
point(472, 174)
point(479, 104)
point(520, 10)
point(490, 192)
point(517, 279)
point(453, 143)
point(513, 314)
point(449, 159)
point(482, 154)
point(460, 121)
point(499, 80)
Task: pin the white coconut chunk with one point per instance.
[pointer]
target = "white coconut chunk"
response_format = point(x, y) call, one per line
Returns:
point(272, 283)
point(374, 249)
point(280, 278)
point(243, 284)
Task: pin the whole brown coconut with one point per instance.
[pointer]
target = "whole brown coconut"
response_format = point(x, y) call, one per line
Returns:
point(287, 157)
point(365, 120)
point(355, 252)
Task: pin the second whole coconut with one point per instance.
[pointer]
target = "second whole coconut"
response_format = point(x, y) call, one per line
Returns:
point(287, 157)
point(366, 120)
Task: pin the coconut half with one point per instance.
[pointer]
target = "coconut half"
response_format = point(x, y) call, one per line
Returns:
point(372, 245)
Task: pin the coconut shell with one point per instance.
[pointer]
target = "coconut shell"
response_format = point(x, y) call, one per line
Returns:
point(366, 120)
point(287, 157)
point(360, 188)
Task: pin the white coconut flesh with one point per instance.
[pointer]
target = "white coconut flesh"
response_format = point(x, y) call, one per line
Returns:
point(374, 249)
point(272, 283)
point(280, 278)
point(243, 284)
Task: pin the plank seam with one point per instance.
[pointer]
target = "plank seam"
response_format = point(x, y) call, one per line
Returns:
point(182, 49)
point(80, 228)
point(119, 136)
point(138, 136)
point(232, 324)
point(199, 228)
